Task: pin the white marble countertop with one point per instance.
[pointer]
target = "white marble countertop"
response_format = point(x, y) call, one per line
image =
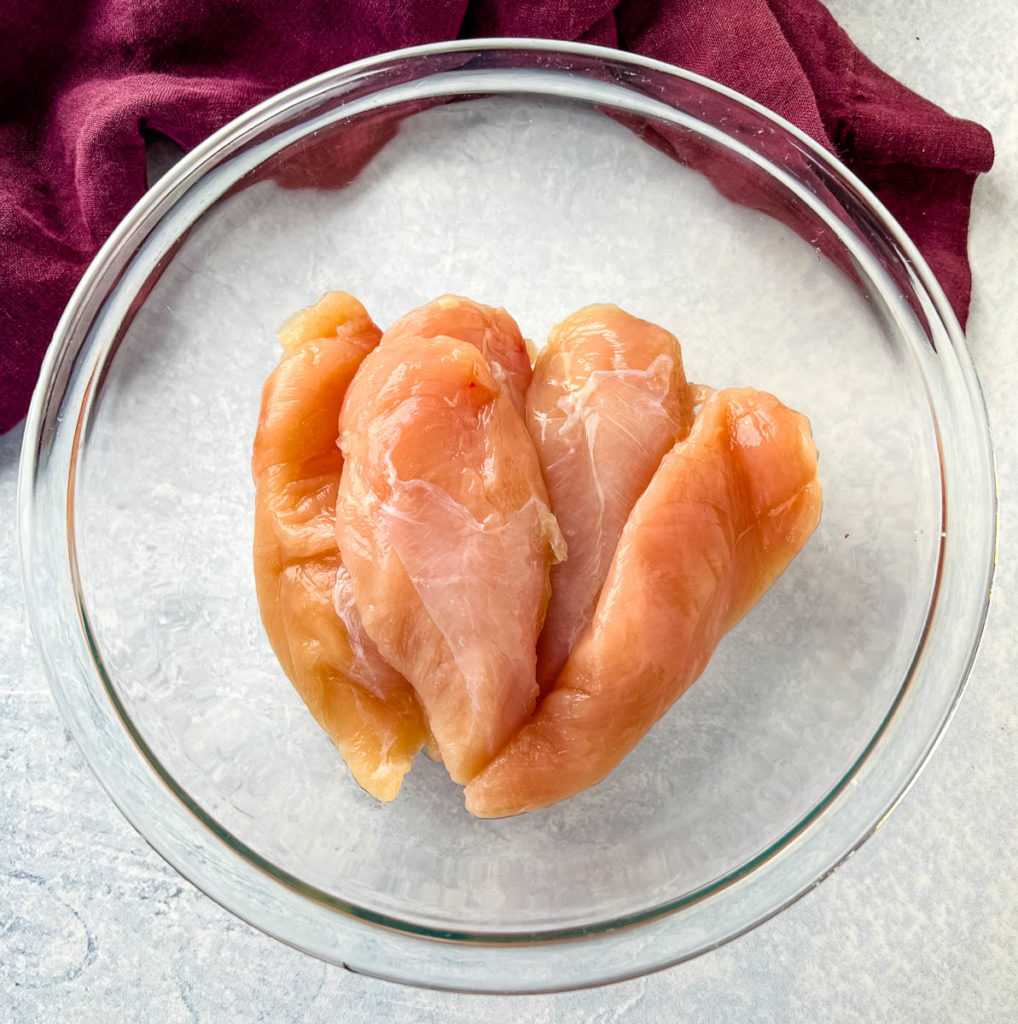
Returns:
point(920, 925)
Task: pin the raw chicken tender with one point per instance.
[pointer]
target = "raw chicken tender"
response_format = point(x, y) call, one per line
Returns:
point(444, 526)
point(725, 513)
point(368, 709)
point(608, 398)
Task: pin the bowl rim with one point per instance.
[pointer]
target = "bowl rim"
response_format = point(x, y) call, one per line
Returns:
point(69, 336)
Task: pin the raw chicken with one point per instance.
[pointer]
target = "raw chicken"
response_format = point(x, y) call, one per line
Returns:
point(493, 332)
point(725, 513)
point(372, 669)
point(444, 526)
point(607, 400)
point(368, 709)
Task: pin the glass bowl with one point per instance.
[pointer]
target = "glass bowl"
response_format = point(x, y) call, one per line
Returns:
point(539, 176)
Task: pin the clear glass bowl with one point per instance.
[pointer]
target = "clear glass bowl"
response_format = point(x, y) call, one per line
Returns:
point(541, 177)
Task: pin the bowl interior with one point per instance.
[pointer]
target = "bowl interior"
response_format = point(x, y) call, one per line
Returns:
point(539, 195)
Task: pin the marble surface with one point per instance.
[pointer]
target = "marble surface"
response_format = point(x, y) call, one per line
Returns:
point(920, 925)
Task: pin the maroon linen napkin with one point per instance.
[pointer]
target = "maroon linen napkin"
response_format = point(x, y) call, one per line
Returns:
point(78, 87)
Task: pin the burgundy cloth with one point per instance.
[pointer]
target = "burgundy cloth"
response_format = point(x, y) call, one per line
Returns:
point(80, 81)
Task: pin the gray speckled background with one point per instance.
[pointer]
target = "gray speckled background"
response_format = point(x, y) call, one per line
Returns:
point(920, 925)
